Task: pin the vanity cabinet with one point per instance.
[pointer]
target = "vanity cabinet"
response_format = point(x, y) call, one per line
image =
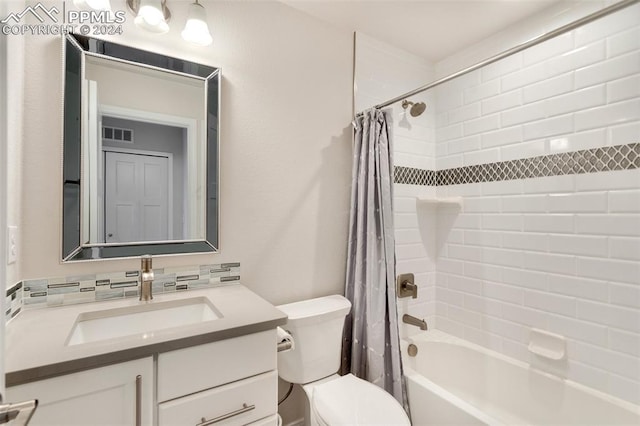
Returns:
point(234, 404)
point(229, 382)
point(112, 395)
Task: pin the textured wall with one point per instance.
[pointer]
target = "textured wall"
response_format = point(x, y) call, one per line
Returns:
point(15, 96)
point(285, 148)
point(4, 103)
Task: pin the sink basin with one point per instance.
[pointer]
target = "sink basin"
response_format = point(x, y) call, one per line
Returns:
point(143, 319)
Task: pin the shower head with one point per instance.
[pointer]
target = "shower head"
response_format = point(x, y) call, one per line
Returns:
point(417, 108)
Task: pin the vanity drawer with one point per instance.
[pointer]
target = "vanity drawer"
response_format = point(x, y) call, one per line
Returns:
point(268, 421)
point(193, 369)
point(237, 403)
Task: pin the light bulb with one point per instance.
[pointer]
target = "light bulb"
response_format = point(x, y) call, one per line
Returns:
point(151, 17)
point(196, 30)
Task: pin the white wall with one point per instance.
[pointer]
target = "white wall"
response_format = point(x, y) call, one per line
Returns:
point(4, 103)
point(557, 253)
point(285, 148)
point(146, 90)
point(382, 72)
point(15, 96)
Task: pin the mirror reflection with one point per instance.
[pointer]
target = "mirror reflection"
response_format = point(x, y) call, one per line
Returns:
point(140, 152)
point(147, 176)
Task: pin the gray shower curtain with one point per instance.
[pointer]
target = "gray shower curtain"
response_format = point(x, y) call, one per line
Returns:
point(371, 349)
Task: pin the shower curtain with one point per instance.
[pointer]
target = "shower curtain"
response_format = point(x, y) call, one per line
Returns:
point(371, 349)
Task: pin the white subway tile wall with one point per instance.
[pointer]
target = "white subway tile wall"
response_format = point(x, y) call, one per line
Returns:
point(382, 72)
point(560, 253)
point(577, 91)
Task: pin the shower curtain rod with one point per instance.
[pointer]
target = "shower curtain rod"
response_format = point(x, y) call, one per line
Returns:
point(544, 37)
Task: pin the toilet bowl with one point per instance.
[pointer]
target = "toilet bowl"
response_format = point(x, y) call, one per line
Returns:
point(316, 326)
point(348, 400)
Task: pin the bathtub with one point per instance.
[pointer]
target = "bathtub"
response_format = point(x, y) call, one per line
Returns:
point(455, 382)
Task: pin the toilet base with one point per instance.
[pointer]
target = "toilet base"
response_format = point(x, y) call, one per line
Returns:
point(339, 400)
point(310, 417)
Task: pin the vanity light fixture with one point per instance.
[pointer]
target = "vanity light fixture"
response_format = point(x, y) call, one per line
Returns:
point(196, 30)
point(154, 16)
point(151, 15)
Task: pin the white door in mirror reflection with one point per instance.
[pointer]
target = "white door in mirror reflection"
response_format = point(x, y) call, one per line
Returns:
point(137, 202)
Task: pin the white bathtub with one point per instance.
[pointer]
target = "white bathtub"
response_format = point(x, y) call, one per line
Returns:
point(455, 382)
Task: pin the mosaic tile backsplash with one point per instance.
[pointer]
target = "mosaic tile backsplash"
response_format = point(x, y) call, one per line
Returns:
point(13, 301)
point(620, 157)
point(113, 285)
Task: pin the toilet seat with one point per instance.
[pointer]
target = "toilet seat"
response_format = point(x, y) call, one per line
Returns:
point(348, 400)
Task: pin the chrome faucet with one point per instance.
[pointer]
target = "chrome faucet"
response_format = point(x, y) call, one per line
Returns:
point(408, 319)
point(146, 278)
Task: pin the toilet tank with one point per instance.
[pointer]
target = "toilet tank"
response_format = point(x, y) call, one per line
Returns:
point(316, 326)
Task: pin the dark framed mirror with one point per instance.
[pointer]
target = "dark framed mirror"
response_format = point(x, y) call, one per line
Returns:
point(140, 152)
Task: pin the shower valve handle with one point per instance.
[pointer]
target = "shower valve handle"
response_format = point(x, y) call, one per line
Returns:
point(406, 286)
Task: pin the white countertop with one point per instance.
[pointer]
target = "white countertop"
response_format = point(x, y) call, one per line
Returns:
point(36, 339)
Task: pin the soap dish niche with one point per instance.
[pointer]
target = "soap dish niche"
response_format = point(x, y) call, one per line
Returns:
point(547, 345)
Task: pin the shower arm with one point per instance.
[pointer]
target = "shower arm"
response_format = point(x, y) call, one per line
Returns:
point(537, 40)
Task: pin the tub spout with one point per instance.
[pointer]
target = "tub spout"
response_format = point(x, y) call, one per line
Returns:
point(408, 319)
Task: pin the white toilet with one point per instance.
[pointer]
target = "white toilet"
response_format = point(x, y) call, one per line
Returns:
point(316, 326)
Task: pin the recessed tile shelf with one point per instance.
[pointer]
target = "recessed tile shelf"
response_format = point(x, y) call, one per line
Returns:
point(436, 217)
point(451, 202)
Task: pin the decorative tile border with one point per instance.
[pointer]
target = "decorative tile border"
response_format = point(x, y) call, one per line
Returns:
point(115, 285)
point(608, 158)
point(413, 176)
point(13, 301)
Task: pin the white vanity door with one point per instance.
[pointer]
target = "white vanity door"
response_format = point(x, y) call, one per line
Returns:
point(102, 396)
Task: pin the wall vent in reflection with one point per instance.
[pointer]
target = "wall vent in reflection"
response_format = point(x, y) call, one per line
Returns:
point(116, 134)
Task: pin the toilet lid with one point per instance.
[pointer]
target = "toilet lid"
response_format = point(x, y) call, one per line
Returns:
point(349, 400)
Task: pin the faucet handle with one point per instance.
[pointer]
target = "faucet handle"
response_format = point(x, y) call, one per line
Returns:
point(146, 263)
point(146, 278)
point(406, 287)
